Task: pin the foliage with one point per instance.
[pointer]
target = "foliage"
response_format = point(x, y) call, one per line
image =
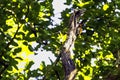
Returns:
point(96, 52)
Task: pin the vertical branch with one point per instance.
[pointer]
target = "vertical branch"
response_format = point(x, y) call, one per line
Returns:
point(68, 64)
point(65, 54)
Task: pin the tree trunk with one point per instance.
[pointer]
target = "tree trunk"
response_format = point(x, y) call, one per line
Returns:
point(67, 62)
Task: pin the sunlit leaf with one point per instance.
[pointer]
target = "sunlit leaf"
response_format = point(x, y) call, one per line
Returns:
point(41, 14)
point(10, 22)
point(82, 4)
point(62, 37)
point(105, 7)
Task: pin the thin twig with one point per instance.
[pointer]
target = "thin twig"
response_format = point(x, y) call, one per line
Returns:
point(5, 64)
point(8, 44)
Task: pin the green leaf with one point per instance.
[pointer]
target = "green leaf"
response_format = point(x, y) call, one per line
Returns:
point(81, 77)
point(87, 72)
point(30, 48)
point(14, 43)
point(29, 65)
point(17, 50)
point(18, 58)
point(25, 43)
point(68, 2)
point(15, 66)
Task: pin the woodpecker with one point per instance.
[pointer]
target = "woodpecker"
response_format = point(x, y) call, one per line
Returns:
point(79, 29)
point(75, 17)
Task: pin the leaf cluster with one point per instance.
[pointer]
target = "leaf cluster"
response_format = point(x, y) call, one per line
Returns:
point(96, 51)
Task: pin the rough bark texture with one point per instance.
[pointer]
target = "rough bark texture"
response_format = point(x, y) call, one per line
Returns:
point(68, 64)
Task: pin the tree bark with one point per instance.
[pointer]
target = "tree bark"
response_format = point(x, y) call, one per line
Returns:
point(67, 62)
